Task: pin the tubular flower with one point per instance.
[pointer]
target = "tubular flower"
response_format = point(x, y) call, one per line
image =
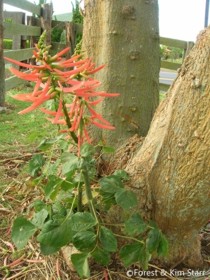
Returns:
point(69, 84)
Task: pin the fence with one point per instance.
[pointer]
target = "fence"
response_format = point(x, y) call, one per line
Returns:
point(186, 46)
point(25, 30)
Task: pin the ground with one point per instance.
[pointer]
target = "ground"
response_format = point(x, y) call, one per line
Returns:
point(19, 138)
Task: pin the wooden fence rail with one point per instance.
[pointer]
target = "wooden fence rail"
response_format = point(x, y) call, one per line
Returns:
point(186, 46)
point(21, 28)
point(16, 28)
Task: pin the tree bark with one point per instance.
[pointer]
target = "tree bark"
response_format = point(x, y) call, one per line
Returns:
point(124, 36)
point(170, 173)
point(2, 71)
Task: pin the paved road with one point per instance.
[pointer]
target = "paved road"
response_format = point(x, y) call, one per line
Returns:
point(167, 77)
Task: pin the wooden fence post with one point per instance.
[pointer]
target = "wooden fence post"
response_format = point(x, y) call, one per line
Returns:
point(189, 47)
point(46, 21)
point(17, 17)
point(2, 69)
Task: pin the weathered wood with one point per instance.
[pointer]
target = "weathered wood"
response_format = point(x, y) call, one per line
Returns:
point(15, 18)
point(21, 54)
point(20, 29)
point(2, 71)
point(170, 65)
point(33, 21)
point(46, 20)
point(58, 24)
point(13, 82)
point(71, 37)
point(173, 43)
point(24, 5)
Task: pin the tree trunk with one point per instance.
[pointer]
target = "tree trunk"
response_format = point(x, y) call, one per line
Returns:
point(124, 36)
point(170, 173)
point(2, 71)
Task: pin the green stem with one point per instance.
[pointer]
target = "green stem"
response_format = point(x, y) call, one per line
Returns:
point(129, 237)
point(68, 122)
point(79, 202)
point(79, 199)
point(88, 190)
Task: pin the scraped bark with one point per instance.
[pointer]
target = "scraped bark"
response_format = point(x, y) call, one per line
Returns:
point(170, 173)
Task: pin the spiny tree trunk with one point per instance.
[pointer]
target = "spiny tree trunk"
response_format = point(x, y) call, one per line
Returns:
point(124, 36)
point(2, 74)
point(171, 172)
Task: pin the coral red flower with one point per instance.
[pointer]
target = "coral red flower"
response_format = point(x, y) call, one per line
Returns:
point(69, 84)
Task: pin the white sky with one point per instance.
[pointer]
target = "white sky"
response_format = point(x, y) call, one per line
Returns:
point(178, 19)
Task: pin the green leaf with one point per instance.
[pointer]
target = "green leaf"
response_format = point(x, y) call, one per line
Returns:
point(84, 240)
point(135, 225)
point(144, 257)
point(110, 184)
point(40, 218)
point(80, 262)
point(59, 210)
point(130, 253)
point(67, 185)
point(82, 221)
point(52, 187)
point(52, 168)
point(54, 235)
point(22, 230)
point(87, 150)
point(153, 240)
point(126, 199)
point(108, 200)
point(162, 248)
point(121, 174)
point(108, 150)
point(70, 162)
point(101, 256)
point(38, 205)
point(47, 143)
point(35, 164)
point(107, 239)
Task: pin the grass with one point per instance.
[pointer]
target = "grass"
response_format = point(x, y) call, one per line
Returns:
point(30, 128)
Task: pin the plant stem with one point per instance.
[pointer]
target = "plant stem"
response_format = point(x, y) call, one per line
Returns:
point(79, 200)
point(129, 237)
point(88, 190)
point(68, 122)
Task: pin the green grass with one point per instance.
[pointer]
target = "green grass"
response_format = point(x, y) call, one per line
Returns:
point(27, 129)
point(20, 136)
point(162, 95)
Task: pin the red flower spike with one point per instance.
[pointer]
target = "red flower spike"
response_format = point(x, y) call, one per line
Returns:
point(56, 77)
point(32, 76)
point(96, 69)
point(61, 53)
point(59, 112)
point(48, 112)
point(34, 106)
point(87, 136)
point(25, 65)
point(103, 126)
